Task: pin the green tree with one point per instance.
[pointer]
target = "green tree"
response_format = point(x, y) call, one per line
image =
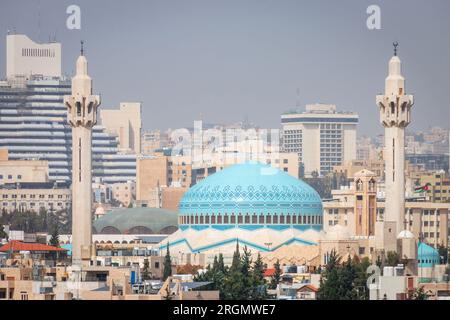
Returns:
point(259, 283)
point(419, 294)
point(167, 271)
point(392, 258)
point(3, 234)
point(54, 239)
point(258, 270)
point(347, 275)
point(146, 270)
point(275, 279)
point(330, 282)
point(362, 293)
point(234, 287)
point(443, 253)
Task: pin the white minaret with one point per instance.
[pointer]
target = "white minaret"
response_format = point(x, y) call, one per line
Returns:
point(82, 116)
point(395, 114)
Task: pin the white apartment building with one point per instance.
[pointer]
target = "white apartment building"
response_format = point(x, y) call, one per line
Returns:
point(126, 124)
point(322, 137)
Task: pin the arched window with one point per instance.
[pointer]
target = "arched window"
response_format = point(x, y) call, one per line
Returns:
point(254, 219)
point(213, 219)
point(201, 219)
point(294, 219)
point(275, 219)
point(288, 219)
point(268, 219)
point(225, 219)
point(233, 218)
point(281, 219)
point(261, 219)
point(196, 219)
point(207, 219)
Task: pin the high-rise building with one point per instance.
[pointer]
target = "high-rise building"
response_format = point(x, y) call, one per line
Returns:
point(25, 57)
point(395, 115)
point(126, 124)
point(33, 124)
point(82, 116)
point(322, 137)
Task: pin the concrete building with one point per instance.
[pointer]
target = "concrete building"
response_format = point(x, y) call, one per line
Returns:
point(154, 140)
point(124, 193)
point(33, 120)
point(426, 220)
point(19, 171)
point(126, 124)
point(395, 115)
point(350, 168)
point(35, 196)
point(435, 186)
point(322, 137)
point(22, 53)
point(82, 116)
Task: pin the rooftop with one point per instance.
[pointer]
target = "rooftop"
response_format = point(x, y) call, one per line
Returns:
point(16, 245)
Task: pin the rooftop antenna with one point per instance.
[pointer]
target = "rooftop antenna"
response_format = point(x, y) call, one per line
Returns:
point(395, 44)
point(297, 103)
point(39, 20)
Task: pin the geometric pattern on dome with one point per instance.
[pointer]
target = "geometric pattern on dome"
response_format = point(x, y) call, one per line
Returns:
point(243, 187)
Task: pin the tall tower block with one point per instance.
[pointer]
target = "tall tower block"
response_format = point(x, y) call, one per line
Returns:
point(395, 115)
point(82, 116)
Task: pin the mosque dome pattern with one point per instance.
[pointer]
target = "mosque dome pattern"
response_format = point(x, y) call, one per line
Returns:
point(251, 189)
point(427, 255)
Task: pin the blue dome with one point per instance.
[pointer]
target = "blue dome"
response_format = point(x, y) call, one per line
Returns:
point(427, 255)
point(250, 192)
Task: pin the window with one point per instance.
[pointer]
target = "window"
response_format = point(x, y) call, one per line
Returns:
point(19, 177)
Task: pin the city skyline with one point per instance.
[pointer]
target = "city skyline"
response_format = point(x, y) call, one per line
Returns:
point(186, 61)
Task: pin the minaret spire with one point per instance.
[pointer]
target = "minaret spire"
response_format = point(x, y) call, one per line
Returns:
point(395, 115)
point(82, 48)
point(82, 116)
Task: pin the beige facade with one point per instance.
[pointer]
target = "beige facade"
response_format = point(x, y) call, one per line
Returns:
point(349, 168)
point(170, 198)
point(426, 219)
point(34, 199)
point(126, 124)
point(439, 186)
point(17, 171)
point(160, 171)
point(125, 193)
point(90, 283)
point(25, 57)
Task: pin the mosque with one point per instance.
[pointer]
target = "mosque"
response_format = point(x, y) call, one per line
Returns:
point(281, 217)
point(252, 204)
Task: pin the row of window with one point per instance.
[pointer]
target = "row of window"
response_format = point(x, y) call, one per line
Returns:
point(33, 196)
point(32, 204)
point(254, 219)
point(19, 177)
point(38, 53)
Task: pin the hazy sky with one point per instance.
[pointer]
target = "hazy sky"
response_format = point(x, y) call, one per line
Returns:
point(227, 60)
